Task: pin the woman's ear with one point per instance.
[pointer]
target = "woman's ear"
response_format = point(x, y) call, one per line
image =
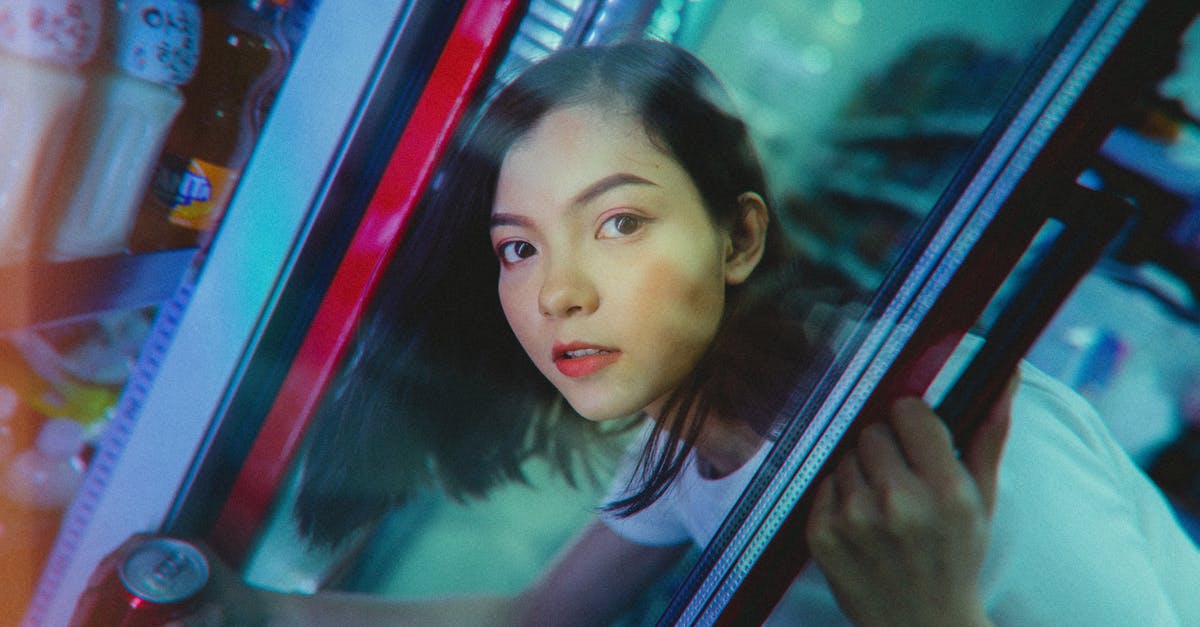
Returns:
point(748, 239)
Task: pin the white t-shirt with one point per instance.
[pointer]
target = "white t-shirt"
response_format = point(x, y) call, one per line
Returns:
point(1080, 534)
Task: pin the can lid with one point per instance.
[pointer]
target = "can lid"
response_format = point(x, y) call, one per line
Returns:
point(159, 40)
point(62, 32)
point(164, 570)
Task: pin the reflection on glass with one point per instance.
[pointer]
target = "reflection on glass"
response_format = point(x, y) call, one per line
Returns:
point(865, 110)
point(862, 112)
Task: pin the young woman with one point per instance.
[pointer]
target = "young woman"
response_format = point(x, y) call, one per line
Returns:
point(604, 238)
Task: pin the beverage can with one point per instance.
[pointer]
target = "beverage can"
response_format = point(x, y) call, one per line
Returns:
point(156, 582)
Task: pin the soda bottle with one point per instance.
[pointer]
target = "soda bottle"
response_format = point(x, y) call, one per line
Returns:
point(129, 109)
point(243, 59)
point(43, 44)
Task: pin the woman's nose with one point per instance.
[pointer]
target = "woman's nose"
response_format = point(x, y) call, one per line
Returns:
point(567, 291)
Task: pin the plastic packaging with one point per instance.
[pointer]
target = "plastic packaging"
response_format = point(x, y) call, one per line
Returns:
point(48, 475)
point(130, 108)
point(43, 43)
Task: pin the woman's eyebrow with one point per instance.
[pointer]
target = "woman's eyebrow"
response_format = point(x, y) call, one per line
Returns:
point(508, 219)
point(607, 183)
point(589, 193)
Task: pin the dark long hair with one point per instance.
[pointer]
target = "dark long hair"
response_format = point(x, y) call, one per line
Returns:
point(439, 392)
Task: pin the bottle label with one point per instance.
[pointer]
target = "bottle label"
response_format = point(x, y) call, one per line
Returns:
point(159, 40)
point(194, 191)
point(65, 32)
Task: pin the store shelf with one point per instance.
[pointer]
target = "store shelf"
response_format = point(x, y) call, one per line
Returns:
point(65, 290)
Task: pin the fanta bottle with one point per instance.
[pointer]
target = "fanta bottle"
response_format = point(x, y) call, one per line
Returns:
point(243, 58)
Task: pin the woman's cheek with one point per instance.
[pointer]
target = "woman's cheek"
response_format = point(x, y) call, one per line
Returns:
point(690, 296)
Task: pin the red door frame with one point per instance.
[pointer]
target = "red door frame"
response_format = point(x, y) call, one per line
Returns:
point(477, 38)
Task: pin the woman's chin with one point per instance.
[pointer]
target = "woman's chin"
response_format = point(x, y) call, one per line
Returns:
point(595, 412)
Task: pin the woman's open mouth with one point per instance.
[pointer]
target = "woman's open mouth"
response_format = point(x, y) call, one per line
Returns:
point(579, 360)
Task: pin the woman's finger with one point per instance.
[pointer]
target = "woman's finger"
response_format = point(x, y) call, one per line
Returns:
point(925, 441)
point(819, 528)
point(883, 463)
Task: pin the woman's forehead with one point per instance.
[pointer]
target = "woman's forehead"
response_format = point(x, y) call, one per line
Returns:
point(571, 148)
point(567, 127)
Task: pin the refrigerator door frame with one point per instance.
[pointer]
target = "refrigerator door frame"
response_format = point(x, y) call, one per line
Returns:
point(203, 335)
point(479, 35)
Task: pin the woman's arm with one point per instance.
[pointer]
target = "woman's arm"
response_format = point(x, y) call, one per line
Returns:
point(594, 579)
point(591, 582)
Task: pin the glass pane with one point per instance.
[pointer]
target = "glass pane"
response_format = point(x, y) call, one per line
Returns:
point(1089, 319)
point(862, 113)
point(865, 110)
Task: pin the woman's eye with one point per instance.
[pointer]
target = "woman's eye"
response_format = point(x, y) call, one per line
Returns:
point(621, 225)
point(514, 251)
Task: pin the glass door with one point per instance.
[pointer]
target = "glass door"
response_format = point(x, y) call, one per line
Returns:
point(1036, 204)
point(210, 302)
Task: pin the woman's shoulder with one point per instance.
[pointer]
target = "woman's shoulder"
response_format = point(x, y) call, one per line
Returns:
point(1042, 403)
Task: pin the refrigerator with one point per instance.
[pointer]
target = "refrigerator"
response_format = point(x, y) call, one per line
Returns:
point(1048, 207)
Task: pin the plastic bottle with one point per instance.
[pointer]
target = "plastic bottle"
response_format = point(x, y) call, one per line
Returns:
point(243, 58)
point(43, 44)
point(48, 475)
point(129, 109)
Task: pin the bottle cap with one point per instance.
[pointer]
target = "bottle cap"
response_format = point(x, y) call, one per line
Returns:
point(60, 437)
point(63, 32)
point(159, 40)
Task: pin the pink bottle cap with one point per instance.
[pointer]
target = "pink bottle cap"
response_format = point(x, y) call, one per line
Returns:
point(159, 40)
point(63, 32)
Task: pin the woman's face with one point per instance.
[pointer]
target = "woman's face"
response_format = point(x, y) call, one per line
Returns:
point(612, 273)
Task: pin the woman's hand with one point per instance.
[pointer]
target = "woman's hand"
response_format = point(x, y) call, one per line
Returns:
point(225, 599)
point(900, 528)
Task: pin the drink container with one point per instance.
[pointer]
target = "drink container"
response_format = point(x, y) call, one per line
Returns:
point(43, 45)
point(157, 582)
point(243, 59)
point(131, 106)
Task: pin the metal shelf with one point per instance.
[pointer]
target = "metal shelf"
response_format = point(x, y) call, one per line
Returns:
point(59, 291)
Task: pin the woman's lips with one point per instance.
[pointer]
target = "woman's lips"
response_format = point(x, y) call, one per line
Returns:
point(580, 360)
